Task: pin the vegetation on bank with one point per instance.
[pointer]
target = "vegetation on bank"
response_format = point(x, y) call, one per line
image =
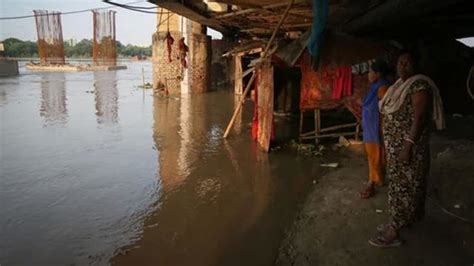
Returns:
point(83, 49)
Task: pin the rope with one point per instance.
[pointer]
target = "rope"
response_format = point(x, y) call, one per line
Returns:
point(168, 24)
point(65, 13)
point(450, 213)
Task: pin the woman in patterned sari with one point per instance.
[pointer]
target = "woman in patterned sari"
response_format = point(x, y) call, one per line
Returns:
point(407, 108)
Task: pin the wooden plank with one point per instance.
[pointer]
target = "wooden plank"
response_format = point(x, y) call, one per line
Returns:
point(337, 127)
point(309, 133)
point(264, 8)
point(251, 3)
point(301, 124)
point(181, 9)
point(265, 105)
point(332, 135)
point(238, 86)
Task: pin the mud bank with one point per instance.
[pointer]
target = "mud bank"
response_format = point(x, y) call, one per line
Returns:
point(334, 224)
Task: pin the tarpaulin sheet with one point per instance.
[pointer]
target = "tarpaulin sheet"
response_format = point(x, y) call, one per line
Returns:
point(337, 51)
point(316, 89)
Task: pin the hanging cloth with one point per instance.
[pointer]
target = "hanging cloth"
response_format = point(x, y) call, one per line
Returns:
point(320, 17)
point(183, 51)
point(342, 83)
point(169, 43)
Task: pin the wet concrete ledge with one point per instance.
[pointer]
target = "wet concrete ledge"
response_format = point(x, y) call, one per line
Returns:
point(8, 67)
point(72, 68)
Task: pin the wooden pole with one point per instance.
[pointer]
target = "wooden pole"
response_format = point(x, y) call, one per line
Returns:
point(143, 77)
point(249, 10)
point(252, 79)
point(301, 125)
point(239, 107)
point(316, 129)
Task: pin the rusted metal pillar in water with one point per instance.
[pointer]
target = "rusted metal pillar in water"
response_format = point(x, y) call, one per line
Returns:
point(114, 47)
point(50, 37)
point(94, 38)
point(252, 79)
point(104, 52)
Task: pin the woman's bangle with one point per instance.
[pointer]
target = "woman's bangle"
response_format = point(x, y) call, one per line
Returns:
point(410, 140)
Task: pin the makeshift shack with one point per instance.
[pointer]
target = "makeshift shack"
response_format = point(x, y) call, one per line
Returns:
point(349, 34)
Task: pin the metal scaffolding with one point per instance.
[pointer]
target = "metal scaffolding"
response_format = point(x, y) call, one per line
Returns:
point(50, 37)
point(104, 44)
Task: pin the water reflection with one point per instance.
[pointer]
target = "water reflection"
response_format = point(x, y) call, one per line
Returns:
point(185, 125)
point(53, 99)
point(73, 194)
point(238, 119)
point(3, 97)
point(214, 193)
point(106, 97)
point(166, 128)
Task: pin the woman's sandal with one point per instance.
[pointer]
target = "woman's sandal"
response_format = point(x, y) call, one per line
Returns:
point(368, 192)
point(382, 242)
point(383, 227)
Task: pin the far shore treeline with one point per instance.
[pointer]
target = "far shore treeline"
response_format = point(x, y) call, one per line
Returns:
point(82, 49)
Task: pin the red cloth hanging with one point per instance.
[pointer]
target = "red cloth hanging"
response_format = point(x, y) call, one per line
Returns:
point(343, 83)
point(183, 52)
point(169, 43)
point(347, 72)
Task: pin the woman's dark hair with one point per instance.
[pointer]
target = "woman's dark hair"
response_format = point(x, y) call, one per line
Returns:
point(380, 66)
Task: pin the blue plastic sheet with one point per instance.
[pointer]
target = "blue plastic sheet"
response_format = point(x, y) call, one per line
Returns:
point(320, 17)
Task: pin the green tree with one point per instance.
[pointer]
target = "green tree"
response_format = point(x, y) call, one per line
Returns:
point(18, 48)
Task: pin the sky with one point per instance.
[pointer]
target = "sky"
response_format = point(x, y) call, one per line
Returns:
point(131, 27)
point(468, 41)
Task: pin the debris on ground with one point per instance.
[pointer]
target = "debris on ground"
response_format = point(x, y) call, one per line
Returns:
point(444, 154)
point(147, 85)
point(344, 142)
point(307, 149)
point(331, 165)
point(356, 142)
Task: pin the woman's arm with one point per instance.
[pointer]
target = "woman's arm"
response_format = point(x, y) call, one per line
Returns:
point(420, 101)
point(382, 91)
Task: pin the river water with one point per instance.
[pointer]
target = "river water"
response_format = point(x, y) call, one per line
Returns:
point(95, 170)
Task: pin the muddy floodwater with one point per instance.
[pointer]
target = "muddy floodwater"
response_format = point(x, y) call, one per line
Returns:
point(95, 170)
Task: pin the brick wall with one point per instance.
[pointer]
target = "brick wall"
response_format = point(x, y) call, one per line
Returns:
point(170, 74)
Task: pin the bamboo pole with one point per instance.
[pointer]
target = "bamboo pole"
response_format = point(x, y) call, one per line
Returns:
point(317, 125)
point(252, 79)
point(329, 135)
point(357, 133)
point(337, 127)
point(249, 10)
point(301, 125)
